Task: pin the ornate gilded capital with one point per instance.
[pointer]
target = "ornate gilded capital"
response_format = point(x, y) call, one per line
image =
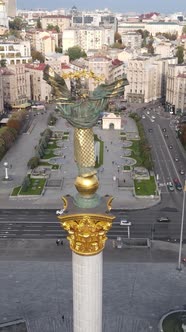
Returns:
point(87, 232)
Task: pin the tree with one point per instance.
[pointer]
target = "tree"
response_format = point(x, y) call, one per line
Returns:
point(33, 162)
point(16, 24)
point(118, 45)
point(37, 56)
point(180, 54)
point(117, 38)
point(76, 52)
point(184, 29)
point(14, 123)
point(38, 24)
point(3, 63)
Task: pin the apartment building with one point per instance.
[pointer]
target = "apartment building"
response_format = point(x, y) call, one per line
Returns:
point(1, 95)
point(43, 41)
point(56, 60)
point(87, 37)
point(40, 90)
point(15, 52)
point(152, 27)
point(3, 15)
point(16, 85)
point(165, 49)
point(143, 74)
point(10, 7)
point(63, 22)
point(132, 39)
point(176, 88)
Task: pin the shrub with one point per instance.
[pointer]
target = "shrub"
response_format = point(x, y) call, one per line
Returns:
point(33, 162)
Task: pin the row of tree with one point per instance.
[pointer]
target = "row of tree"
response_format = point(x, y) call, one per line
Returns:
point(144, 148)
point(40, 148)
point(9, 133)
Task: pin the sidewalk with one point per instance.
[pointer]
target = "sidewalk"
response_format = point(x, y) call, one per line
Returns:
point(23, 150)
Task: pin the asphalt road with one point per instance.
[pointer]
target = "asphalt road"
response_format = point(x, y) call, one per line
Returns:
point(43, 224)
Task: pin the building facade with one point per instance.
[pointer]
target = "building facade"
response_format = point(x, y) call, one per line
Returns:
point(176, 88)
point(17, 52)
point(87, 37)
point(16, 85)
point(63, 22)
point(132, 39)
point(40, 89)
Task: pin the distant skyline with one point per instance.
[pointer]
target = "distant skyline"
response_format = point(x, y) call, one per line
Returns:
point(163, 6)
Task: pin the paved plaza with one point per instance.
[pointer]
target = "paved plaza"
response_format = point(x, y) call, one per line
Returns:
point(24, 149)
point(139, 286)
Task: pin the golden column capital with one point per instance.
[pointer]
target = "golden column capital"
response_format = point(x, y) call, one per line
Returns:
point(87, 232)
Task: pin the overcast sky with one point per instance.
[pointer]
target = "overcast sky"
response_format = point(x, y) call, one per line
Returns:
point(163, 6)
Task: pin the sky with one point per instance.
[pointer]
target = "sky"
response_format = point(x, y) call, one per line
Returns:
point(140, 6)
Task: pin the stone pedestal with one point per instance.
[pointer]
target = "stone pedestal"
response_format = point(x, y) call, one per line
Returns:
point(87, 292)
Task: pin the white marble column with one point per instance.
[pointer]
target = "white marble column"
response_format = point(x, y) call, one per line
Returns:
point(87, 292)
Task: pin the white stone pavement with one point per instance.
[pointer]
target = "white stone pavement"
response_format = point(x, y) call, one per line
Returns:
point(23, 150)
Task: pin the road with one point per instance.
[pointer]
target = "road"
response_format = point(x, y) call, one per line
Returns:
point(43, 224)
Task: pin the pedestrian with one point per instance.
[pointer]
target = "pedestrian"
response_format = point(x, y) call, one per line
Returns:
point(111, 142)
point(124, 180)
point(57, 242)
point(61, 242)
point(63, 318)
point(112, 162)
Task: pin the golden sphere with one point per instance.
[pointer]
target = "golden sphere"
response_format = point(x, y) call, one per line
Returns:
point(87, 186)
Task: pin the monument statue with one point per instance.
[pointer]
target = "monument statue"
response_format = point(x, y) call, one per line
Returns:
point(82, 112)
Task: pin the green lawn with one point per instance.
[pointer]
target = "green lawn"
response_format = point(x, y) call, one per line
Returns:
point(136, 153)
point(35, 188)
point(52, 145)
point(145, 187)
point(48, 154)
point(126, 168)
point(15, 191)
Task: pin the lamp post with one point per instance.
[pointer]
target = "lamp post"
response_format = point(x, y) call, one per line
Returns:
point(181, 229)
point(6, 170)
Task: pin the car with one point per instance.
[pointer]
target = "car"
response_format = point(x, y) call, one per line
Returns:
point(143, 116)
point(153, 117)
point(148, 112)
point(163, 219)
point(150, 130)
point(177, 184)
point(170, 186)
point(60, 212)
point(182, 172)
point(152, 120)
point(170, 147)
point(166, 136)
point(125, 222)
point(176, 159)
point(164, 129)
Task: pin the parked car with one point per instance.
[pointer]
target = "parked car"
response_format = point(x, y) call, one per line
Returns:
point(166, 136)
point(164, 129)
point(163, 219)
point(176, 159)
point(150, 130)
point(177, 184)
point(170, 186)
point(170, 147)
point(182, 172)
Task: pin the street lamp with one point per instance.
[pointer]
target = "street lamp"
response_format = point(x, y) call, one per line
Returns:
point(181, 230)
point(6, 170)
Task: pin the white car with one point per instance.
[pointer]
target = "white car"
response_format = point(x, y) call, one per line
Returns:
point(143, 116)
point(152, 120)
point(125, 222)
point(153, 117)
point(148, 112)
point(60, 212)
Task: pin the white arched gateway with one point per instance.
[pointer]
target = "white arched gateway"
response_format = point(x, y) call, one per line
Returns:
point(111, 121)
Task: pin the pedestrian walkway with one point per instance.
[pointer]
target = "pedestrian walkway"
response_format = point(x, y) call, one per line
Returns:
point(109, 174)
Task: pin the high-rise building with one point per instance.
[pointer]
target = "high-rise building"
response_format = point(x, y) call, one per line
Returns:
point(11, 7)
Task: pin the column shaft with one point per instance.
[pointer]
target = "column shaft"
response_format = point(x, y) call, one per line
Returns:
point(87, 292)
